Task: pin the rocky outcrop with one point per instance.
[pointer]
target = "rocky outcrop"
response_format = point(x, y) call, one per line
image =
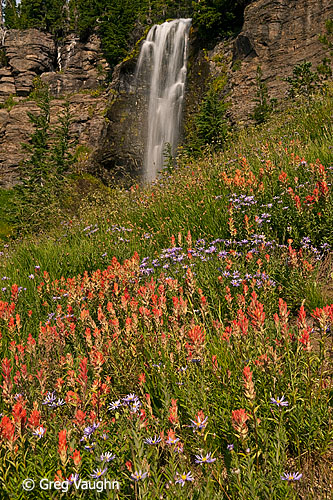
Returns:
point(74, 71)
point(29, 53)
point(80, 66)
point(277, 35)
point(122, 150)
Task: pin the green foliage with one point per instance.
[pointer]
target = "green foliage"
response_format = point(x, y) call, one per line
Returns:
point(115, 29)
point(210, 125)
point(48, 161)
point(169, 162)
point(217, 18)
point(11, 14)
point(304, 81)
point(264, 106)
point(41, 14)
point(3, 58)
point(120, 24)
point(325, 68)
point(9, 103)
point(6, 221)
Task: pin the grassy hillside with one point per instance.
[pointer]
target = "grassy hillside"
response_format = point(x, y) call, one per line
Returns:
point(184, 327)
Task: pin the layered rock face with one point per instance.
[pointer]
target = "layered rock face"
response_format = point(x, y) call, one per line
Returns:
point(277, 35)
point(74, 71)
point(29, 53)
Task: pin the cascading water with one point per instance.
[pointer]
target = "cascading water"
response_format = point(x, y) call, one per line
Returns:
point(162, 65)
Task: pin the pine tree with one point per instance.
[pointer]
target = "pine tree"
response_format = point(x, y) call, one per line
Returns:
point(11, 14)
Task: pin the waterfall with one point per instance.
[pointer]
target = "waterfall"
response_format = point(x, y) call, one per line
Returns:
point(162, 67)
point(59, 58)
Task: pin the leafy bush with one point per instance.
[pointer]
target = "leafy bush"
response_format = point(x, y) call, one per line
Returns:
point(210, 125)
point(304, 81)
point(264, 106)
point(48, 161)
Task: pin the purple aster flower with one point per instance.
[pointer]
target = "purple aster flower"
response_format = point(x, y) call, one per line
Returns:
point(135, 406)
point(60, 402)
point(98, 473)
point(178, 448)
point(279, 402)
point(291, 476)
point(90, 447)
point(114, 405)
point(153, 440)
point(73, 478)
point(107, 457)
point(171, 439)
point(182, 478)
point(200, 459)
point(39, 432)
point(138, 476)
point(230, 447)
point(130, 398)
point(199, 423)
point(31, 276)
point(50, 399)
point(88, 431)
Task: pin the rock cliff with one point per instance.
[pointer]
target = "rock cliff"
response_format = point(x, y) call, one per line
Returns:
point(107, 120)
point(277, 35)
point(74, 71)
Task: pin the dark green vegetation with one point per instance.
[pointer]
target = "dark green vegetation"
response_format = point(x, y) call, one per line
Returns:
point(121, 23)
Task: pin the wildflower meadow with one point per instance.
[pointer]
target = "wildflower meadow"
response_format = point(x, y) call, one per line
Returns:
point(175, 341)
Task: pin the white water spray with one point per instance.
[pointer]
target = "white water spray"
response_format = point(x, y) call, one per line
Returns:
point(163, 64)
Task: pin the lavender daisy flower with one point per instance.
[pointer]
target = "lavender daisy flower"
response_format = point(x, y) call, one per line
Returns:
point(98, 473)
point(135, 406)
point(171, 440)
point(291, 476)
point(138, 476)
point(107, 457)
point(130, 398)
point(199, 423)
point(39, 432)
point(200, 459)
point(50, 399)
point(73, 478)
point(230, 447)
point(279, 402)
point(153, 440)
point(90, 447)
point(182, 478)
point(60, 402)
point(88, 431)
point(114, 405)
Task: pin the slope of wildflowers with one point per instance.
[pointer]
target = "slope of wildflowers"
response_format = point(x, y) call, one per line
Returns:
point(177, 339)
